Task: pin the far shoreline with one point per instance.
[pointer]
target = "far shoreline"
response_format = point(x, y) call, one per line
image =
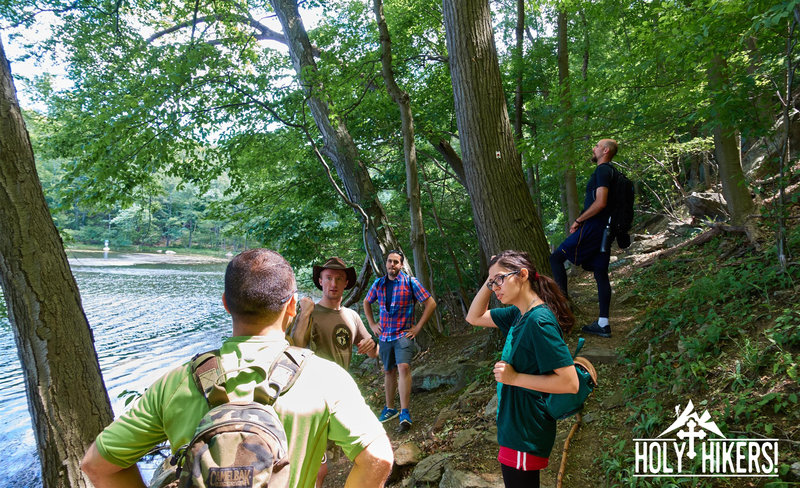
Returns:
point(131, 257)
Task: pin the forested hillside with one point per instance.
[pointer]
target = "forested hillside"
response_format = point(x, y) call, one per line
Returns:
point(452, 130)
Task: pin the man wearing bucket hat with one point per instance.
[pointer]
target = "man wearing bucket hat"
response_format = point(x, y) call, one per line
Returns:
point(327, 327)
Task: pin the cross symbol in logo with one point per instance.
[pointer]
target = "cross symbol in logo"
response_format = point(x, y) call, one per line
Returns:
point(691, 435)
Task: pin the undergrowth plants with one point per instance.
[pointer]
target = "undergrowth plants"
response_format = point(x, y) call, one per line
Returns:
point(725, 333)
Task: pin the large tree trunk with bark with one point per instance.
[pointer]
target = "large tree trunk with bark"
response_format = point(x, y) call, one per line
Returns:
point(338, 144)
point(729, 158)
point(503, 211)
point(570, 184)
point(67, 399)
point(419, 244)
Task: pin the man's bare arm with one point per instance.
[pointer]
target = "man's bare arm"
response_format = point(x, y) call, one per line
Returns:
point(104, 474)
point(430, 306)
point(300, 328)
point(372, 465)
point(595, 208)
point(370, 318)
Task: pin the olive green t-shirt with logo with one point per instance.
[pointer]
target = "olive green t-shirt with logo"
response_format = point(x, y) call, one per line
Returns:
point(533, 346)
point(333, 333)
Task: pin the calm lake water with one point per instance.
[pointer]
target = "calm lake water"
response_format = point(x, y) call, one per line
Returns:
point(148, 314)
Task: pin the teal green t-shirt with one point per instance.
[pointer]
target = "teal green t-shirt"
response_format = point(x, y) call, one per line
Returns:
point(533, 346)
point(324, 404)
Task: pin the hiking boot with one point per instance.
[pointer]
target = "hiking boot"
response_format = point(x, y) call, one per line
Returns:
point(405, 420)
point(387, 414)
point(594, 328)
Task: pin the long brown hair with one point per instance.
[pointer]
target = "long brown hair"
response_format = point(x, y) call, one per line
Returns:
point(545, 287)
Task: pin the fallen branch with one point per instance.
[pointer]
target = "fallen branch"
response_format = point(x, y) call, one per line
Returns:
point(563, 467)
point(697, 240)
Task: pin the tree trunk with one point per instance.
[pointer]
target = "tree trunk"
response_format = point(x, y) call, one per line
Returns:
point(67, 399)
point(570, 184)
point(338, 144)
point(504, 215)
point(519, 102)
point(518, 68)
point(419, 245)
point(729, 158)
point(762, 107)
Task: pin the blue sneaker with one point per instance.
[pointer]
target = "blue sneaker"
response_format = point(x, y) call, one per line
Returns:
point(405, 420)
point(387, 414)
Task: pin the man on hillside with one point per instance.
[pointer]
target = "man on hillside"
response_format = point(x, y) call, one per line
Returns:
point(323, 404)
point(582, 246)
point(328, 328)
point(396, 293)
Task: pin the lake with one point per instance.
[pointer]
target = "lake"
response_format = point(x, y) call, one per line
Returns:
point(149, 313)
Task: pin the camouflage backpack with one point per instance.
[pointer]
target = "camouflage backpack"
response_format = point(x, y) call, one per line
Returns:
point(239, 444)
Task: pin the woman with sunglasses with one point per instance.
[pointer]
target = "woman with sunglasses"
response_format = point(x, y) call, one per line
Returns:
point(535, 361)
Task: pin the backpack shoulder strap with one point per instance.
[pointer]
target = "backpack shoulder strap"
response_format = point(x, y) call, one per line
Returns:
point(206, 372)
point(282, 374)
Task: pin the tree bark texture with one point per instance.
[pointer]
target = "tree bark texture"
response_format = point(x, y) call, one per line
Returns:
point(570, 184)
point(67, 398)
point(729, 157)
point(419, 244)
point(504, 214)
point(338, 143)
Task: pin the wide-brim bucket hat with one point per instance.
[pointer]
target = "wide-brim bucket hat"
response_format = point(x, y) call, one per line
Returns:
point(335, 263)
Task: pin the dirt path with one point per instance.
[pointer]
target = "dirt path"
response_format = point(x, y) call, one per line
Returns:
point(604, 421)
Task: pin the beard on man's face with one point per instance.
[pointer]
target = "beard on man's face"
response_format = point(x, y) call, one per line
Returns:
point(594, 159)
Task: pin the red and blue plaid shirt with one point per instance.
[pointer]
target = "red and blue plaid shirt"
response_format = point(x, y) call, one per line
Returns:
point(400, 316)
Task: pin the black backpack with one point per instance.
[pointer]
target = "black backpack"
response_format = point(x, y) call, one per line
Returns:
point(621, 199)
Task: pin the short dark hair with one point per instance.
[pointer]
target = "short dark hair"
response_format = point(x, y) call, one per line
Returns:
point(257, 283)
point(399, 253)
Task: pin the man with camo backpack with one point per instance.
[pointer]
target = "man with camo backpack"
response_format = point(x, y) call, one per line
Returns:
point(323, 403)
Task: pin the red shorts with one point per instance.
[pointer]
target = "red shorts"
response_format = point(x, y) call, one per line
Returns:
point(522, 461)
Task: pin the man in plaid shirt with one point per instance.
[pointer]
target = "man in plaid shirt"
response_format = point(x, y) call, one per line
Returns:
point(396, 293)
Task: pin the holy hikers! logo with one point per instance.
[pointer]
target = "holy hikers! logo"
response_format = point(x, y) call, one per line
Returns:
point(693, 446)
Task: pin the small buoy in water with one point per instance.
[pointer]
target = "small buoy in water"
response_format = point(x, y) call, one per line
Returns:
point(169, 252)
point(229, 254)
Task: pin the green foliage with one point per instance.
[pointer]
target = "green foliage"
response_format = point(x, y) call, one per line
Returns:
point(198, 135)
point(724, 329)
point(130, 396)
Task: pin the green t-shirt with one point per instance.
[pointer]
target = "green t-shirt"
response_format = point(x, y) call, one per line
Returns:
point(533, 346)
point(332, 333)
point(324, 404)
